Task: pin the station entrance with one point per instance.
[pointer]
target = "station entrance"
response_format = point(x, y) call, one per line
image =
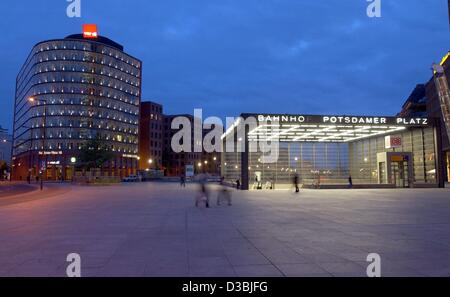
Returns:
point(395, 168)
point(321, 153)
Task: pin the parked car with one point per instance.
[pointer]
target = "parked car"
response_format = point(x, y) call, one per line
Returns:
point(131, 178)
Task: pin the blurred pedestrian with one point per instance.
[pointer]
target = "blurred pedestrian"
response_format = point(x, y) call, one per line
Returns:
point(223, 194)
point(272, 182)
point(238, 184)
point(203, 195)
point(295, 181)
point(182, 181)
point(350, 182)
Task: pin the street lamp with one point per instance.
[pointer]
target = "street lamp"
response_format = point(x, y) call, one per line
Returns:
point(32, 100)
point(150, 162)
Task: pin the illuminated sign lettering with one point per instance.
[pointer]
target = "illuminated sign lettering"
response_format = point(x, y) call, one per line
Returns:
point(50, 153)
point(130, 156)
point(354, 120)
point(90, 31)
point(349, 120)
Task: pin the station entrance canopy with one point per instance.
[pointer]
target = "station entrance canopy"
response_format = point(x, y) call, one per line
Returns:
point(324, 151)
point(327, 128)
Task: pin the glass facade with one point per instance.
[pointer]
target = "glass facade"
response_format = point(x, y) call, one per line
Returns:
point(366, 158)
point(419, 142)
point(86, 89)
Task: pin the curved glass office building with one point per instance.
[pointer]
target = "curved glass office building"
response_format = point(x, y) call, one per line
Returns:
point(69, 91)
point(267, 151)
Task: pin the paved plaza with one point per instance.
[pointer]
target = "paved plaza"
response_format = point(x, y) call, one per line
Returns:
point(153, 229)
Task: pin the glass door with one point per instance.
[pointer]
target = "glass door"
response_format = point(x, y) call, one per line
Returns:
point(400, 174)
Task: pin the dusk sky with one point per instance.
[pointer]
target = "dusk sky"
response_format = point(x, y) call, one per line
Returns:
point(235, 56)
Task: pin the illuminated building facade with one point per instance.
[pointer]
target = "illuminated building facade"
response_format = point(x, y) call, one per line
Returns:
point(151, 129)
point(426, 100)
point(175, 163)
point(69, 91)
point(325, 151)
point(5, 146)
point(438, 105)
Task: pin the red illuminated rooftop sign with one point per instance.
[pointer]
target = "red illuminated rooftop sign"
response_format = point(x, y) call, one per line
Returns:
point(90, 31)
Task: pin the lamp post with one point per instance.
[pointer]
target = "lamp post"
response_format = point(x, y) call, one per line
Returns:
point(150, 162)
point(33, 100)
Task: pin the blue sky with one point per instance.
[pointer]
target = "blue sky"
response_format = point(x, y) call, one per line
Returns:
point(234, 56)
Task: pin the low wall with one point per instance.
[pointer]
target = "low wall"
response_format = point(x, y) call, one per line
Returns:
point(94, 177)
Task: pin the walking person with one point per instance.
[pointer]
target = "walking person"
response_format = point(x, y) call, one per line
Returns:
point(203, 195)
point(350, 182)
point(297, 189)
point(223, 194)
point(272, 182)
point(182, 181)
point(238, 184)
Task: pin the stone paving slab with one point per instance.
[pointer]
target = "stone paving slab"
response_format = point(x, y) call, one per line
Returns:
point(153, 229)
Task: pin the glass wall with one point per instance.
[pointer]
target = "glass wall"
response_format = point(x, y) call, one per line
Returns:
point(312, 162)
point(88, 89)
point(419, 141)
point(331, 164)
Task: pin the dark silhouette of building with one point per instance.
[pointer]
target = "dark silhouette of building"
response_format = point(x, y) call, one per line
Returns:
point(5, 146)
point(151, 130)
point(424, 101)
point(448, 12)
point(416, 104)
point(175, 163)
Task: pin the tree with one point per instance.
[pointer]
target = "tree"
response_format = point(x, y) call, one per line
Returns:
point(94, 153)
point(3, 169)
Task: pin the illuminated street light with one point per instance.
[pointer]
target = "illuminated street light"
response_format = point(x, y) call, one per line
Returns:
point(32, 100)
point(206, 162)
point(73, 160)
point(199, 164)
point(150, 161)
